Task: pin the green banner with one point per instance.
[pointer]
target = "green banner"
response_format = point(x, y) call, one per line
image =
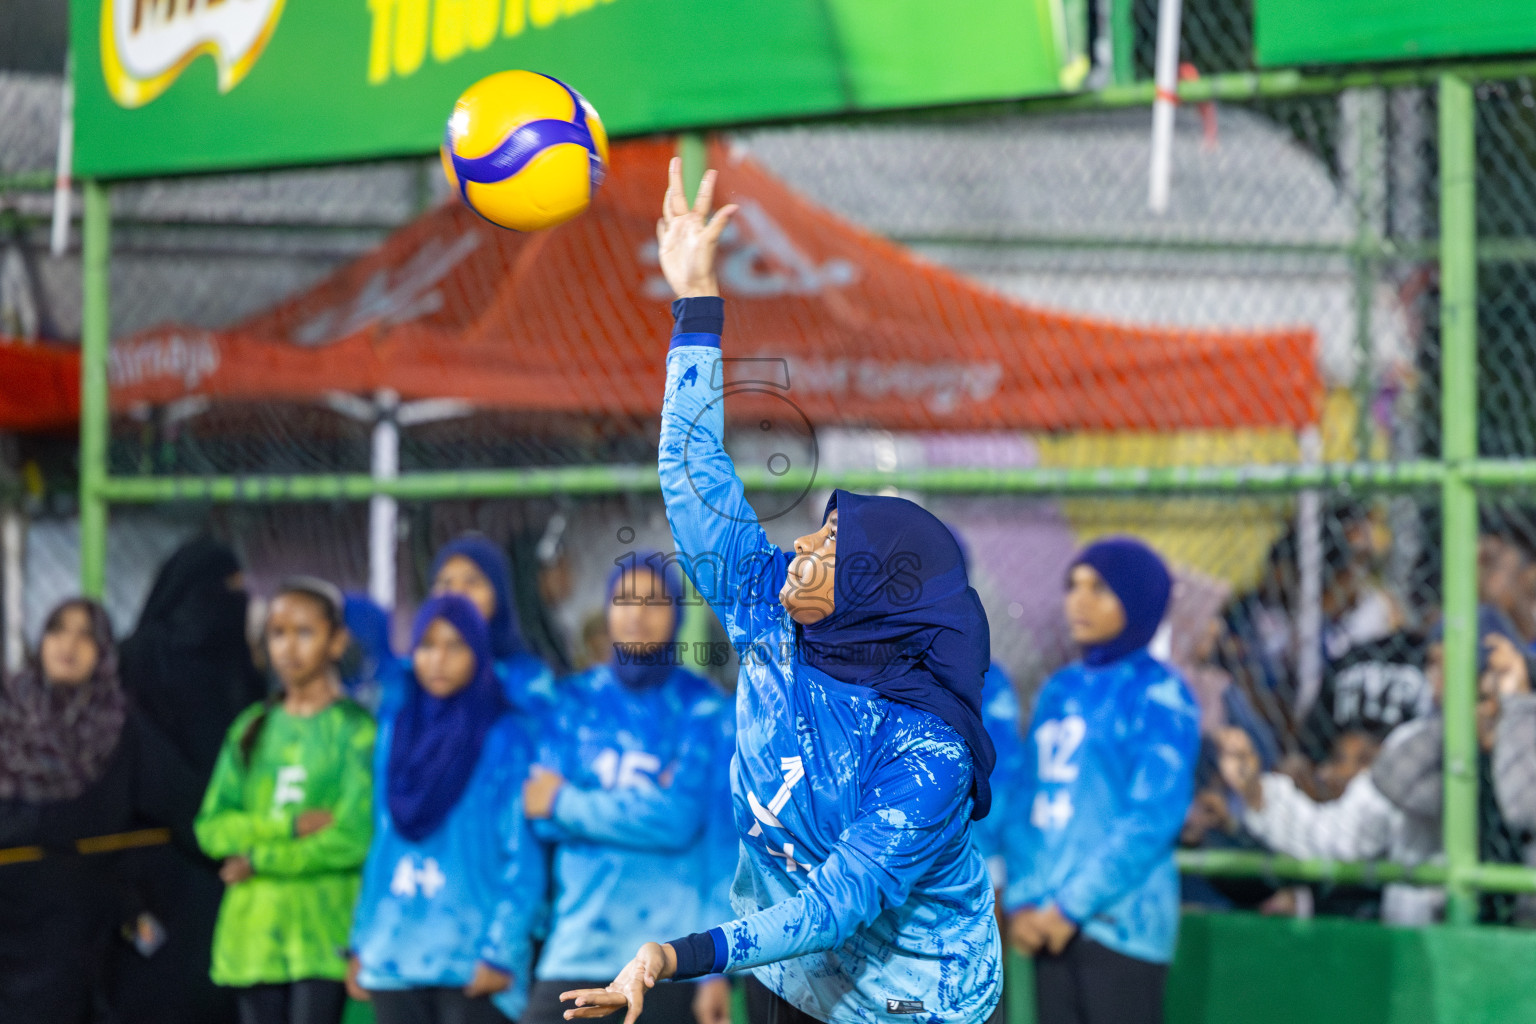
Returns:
point(1350, 31)
point(165, 86)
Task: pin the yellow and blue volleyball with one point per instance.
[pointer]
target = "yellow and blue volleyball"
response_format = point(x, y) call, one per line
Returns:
point(524, 150)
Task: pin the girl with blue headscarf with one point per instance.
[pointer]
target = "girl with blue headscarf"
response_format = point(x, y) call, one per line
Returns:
point(624, 792)
point(1109, 768)
point(861, 756)
point(453, 877)
point(474, 568)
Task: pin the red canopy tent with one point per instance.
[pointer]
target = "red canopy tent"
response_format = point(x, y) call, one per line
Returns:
point(39, 387)
point(573, 321)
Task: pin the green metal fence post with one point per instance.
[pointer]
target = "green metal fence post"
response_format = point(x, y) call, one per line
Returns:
point(1458, 417)
point(692, 151)
point(1122, 41)
point(94, 342)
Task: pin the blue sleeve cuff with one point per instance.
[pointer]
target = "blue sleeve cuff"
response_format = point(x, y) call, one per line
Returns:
point(722, 951)
point(699, 954)
point(698, 321)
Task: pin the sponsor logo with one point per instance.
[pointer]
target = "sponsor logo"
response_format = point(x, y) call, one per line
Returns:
point(146, 44)
point(903, 1006)
point(190, 359)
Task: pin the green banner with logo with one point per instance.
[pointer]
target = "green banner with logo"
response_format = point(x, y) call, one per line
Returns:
point(166, 86)
point(1349, 31)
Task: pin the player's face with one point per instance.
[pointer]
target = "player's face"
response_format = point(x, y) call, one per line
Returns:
point(68, 651)
point(808, 588)
point(1094, 613)
point(301, 643)
point(640, 612)
point(461, 576)
point(444, 663)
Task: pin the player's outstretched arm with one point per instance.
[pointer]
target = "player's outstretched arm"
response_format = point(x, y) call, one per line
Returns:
point(722, 548)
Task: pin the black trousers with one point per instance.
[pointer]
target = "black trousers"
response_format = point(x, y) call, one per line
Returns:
point(765, 1006)
point(670, 1002)
point(433, 1006)
point(311, 1001)
point(1089, 984)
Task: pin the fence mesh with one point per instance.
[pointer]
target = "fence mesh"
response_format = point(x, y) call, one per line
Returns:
point(1316, 214)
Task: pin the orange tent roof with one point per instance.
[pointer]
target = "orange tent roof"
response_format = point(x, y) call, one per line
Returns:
point(39, 387)
point(574, 321)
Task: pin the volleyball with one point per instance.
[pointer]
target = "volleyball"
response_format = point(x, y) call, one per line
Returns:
point(524, 150)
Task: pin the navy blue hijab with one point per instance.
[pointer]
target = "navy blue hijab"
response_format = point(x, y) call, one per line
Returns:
point(1142, 583)
point(437, 740)
point(506, 638)
point(642, 669)
point(905, 621)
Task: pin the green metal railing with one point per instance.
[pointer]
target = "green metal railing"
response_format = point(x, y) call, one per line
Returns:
point(1458, 474)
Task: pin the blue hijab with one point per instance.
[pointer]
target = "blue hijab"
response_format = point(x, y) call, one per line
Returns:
point(437, 740)
point(369, 625)
point(641, 669)
point(1142, 583)
point(506, 639)
point(905, 621)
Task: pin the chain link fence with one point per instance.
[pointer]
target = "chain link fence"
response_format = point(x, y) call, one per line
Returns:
point(1305, 620)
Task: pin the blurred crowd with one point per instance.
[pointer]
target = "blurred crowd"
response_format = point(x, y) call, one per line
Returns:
point(1353, 772)
point(197, 825)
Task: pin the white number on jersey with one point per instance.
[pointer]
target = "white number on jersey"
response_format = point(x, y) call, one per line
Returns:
point(290, 786)
point(626, 771)
point(1051, 810)
point(1058, 740)
point(794, 771)
point(428, 879)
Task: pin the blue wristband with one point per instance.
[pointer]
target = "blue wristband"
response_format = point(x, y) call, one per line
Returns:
point(698, 321)
point(699, 954)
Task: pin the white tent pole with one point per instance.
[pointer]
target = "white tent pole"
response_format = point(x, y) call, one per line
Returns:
point(384, 511)
point(59, 236)
point(1166, 98)
point(1309, 611)
point(12, 536)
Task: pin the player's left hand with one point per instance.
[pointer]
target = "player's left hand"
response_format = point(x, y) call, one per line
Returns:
point(487, 981)
point(539, 793)
point(651, 964)
point(235, 870)
point(712, 1001)
point(1056, 930)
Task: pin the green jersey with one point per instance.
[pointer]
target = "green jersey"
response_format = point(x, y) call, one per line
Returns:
point(291, 920)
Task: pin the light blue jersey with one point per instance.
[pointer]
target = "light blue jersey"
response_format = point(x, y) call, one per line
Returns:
point(430, 910)
point(1109, 769)
point(722, 846)
point(862, 895)
point(1000, 714)
point(629, 824)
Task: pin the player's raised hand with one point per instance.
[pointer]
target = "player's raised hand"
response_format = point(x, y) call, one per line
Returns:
point(650, 965)
point(687, 238)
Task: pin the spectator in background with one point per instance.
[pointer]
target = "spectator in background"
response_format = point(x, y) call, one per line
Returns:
point(1393, 809)
point(454, 878)
point(624, 793)
point(1373, 688)
point(289, 814)
point(1093, 893)
point(1357, 609)
point(77, 761)
point(473, 567)
point(189, 667)
point(1215, 822)
point(1506, 577)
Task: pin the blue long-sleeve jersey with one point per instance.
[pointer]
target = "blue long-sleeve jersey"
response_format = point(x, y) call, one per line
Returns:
point(862, 895)
point(1109, 769)
point(1000, 715)
point(722, 846)
point(628, 826)
point(430, 910)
